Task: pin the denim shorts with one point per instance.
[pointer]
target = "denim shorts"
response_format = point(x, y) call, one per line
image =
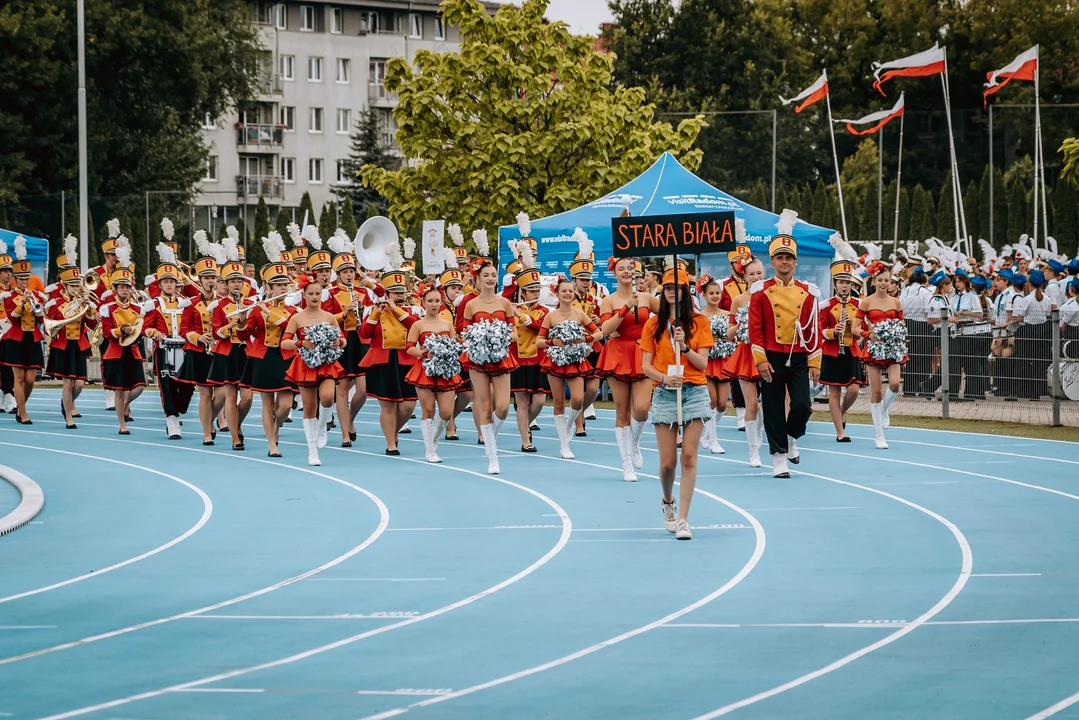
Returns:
point(695, 404)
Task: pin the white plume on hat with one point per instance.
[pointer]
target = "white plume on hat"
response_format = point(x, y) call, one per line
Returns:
point(482, 245)
point(787, 220)
point(232, 233)
point(1024, 240)
point(310, 234)
point(218, 252)
point(3, 247)
point(1052, 243)
point(71, 246)
point(165, 254)
point(1006, 251)
point(339, 242)
point(455, 234)
point(123, 250)
point(232, 252)
point(843, 249)
point(584, 243)
point(114, 227)
point(202, 243)
point(393, 257)
point(527, 257)
point(524, 224)
point(989, 253)
point(20, 247)
point(739, 230)
point(668, 261)
point(273, 245)
point(874, 250)
point(167, 229)
point(450, 258)
point(514, 247)
point(409, 246)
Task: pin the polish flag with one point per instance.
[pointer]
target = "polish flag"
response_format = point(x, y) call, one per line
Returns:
point(813, 93)
point(923, 64)
point(877, 120)
point(1022, 68)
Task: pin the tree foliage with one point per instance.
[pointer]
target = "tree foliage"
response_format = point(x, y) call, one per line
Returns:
point(523, 117)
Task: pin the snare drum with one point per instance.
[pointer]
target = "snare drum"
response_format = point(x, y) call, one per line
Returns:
point(170, 357)
point(1069, 379)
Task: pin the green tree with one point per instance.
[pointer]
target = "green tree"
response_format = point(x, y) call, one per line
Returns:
point(889, 213)
point(281, 225)
point(945, 222)
point(366, 147)
point(1070, 170)
point(973, 207)
point(327, 220)
point(1018, 212)
point(922, 214)
point(759, 196)
point(307, 209)
point(262, 221)
point(523, 117)
point(821, 206)
point(782, 202)
point(904, 215)
point(1066, 218)
point(860, 170)
point(348, 218)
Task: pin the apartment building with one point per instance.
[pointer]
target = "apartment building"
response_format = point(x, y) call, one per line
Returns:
point(323, 63)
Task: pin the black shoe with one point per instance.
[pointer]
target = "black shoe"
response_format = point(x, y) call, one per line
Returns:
point(270, 454)
point(392, 452)
point(534, 426)
point(528, 448)
point(845, 438)
point(238, 447)
point(128, 418)
point(331, 425)
point(175, 437)
point(352, 436)
point(795, 460)
point(346, 443)
point(405, 431)
point(77, 415)
point(125, 432)
point(479, 440)
point(207, 442)
point(453, 438)
point(72, 426)
point(582, 433)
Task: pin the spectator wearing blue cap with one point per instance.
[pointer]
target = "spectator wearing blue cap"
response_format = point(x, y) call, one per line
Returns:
point(920, 338)
point(1055, 277)
point(1073, 267)
point(1069, 320)
point(1032, 338)
point(940, 307)
point(971, 338)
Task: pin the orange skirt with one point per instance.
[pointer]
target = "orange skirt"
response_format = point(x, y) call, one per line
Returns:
point(505, 365)
point(418, 377)
point(740, 364)
point(573, 370)
point(299, 374)
point(621, 359)
point(715, 370)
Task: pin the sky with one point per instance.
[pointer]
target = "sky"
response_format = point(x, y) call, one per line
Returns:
point(582, 16)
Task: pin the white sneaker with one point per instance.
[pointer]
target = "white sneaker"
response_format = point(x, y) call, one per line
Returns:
point(682, 530)
point(779, 466)
point(792, 451)
point(172, 427)
point(670, 516)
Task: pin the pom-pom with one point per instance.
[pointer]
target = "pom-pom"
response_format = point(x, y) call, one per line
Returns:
point(479, 237)
point(274, 246)
point(739, 230)
point(524, 225)
point(167, 229)
point(787, 220)
point(123, 251)
point(455, 234)
point(584, 244)
point(722, 347)
point(576, 343)
point(326, 339)
point(310, 234)
point(339, 242)
point(487, 341)
point(741, 318)
point(528, 258)
point(450, 259)
point(20, 247)
point(232, 250)
point(294, 234)
point(165, 254)
point(891, 342)
point(202, 243)
point(408, 245)
point(443, 359)
point(113, 227)
point(71, 246)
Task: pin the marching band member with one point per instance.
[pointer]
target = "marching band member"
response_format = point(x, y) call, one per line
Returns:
point(7, 376)
point(623, 314)
point(435, 393)
point(228, 321)
point(840, 364)
point(873, 309)
point(21, 346)
point(387, 362)
point(490, 382)
point(352, 302)
point(316, 383)
point(528, 383)
point(786, 346)
point(452, 283)
point(675, 343)
point(572, 375)
point(70, 347)
point(588, 299)
point(104, 271)
point(734, 286)
point(197, 330)
point(741, 366)
point(122, 327)
point(719, 385)
point(163, 325)
point(267, 364)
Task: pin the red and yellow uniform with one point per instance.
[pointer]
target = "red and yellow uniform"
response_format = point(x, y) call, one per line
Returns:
point(387, 362)
point(121, 365)
point(21, 345)
point(198, 357)
point(840, 363)
point(70, 346)
point(267, 364)
point(164, 325)
point(529, 377)
point(228, 362)
point(350, 321)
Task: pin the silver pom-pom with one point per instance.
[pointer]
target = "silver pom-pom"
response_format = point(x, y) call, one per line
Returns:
point(576, 346)
point(443, 359)
point(742, 319)
point(325, 338)
point(722, 347)
point(892, 342)
point(487, 342)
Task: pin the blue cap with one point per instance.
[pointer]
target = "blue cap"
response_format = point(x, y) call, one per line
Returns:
point(1055, 265)
point(1074, 285)
point(938, 277)
point(960, 272)
point(979, 282)
point(1037, 278)
point(1018, 279)
point(1073, 266)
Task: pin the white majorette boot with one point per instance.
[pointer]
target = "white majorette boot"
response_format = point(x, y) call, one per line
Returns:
point(427, 428)
point(497, 422)
point(636, 428)
point(589, 412)
point(713, 440)
point(490, 446)
point(740, 416)
point(172, 427)
point(310, 431)
point(792, 451)
point(9, 403)
point(565, 435)
point(323, 420)
point(753, 436)
point(110, 400)
point(779, 466)
point(437, 429)
point(889, 397)
point(571, 431)
point(876, 411)
point(624, 436)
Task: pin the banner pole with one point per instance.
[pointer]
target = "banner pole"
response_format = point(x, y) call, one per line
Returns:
point(898, 182)
point(835, 159)
point(677, 347)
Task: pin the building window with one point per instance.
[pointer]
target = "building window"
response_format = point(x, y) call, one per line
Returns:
point(377, 69)
point(387, 126)
point(288, 170)
point(415, 25)
point(287, 65)
point(344, 70)
point(208, 123)
point(307, 18)
point(280, 19)
point(288, 117)
point(369, 21)
point(314, 169)
point(344, 120)
point(211, 169)
point(314, 69)
point(315, 118)
point(337, 20)
point(343, 175)
point(262, 13)
point(440, 28)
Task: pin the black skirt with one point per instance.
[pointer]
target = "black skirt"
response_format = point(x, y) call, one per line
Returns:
point(841, 370)
point(267, 374)
point(25, 353)
point(386, 381)
point(228, 369)
point(529, 379)
point(124, 373)
point(69, 363)
point(196, 368)
point(354, 351)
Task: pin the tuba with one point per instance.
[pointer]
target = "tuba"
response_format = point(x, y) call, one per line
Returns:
point(375, 235)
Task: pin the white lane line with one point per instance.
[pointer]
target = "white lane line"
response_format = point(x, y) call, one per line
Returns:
point(368, 616)
point(875, 623)
point(732, 526)
point(912, 482)
point(207, 511)
point(979, 450)
point(844, 507)
point(567, 528)
point(1006, 575)
point(384, 520)
point(27, 627)
point(373, 579)
point(223, 690)
point(406, 691)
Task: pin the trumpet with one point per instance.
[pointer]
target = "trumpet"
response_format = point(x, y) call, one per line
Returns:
point(27, 300)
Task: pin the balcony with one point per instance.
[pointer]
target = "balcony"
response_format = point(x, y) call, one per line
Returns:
point(260, 135)
point(379, 96)
point(270, 84)
point(267, 186)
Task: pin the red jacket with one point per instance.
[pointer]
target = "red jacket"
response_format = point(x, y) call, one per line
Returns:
point(371, 332)
point(261, 335)
point(829, 319)
point(732, 288)
point(166, 321)
point(218, 323)
point(783, 319)
point(72, 332)
point(196, 322)
point(27, 322)
point(113, 317)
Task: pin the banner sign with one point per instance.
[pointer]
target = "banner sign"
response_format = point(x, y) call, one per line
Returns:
point(696, 234)
point(433, 252)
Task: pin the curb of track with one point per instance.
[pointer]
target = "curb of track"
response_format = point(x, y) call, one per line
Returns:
point(33, 500)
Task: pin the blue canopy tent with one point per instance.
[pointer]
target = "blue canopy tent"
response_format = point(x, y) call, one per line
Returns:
point(37, 251)
point(666, 188)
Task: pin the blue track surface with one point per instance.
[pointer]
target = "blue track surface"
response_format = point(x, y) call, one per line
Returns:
point(165, 580)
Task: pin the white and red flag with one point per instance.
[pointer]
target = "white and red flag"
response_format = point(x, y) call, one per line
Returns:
point(875, 120)
point(1024, 67)
point(817, 91)
point(923, 64)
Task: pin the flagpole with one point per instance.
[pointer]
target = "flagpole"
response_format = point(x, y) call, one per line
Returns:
point(84, 209)
point(898, 181)
point(956, 194)
point(835, 159)
point(1039, 168)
